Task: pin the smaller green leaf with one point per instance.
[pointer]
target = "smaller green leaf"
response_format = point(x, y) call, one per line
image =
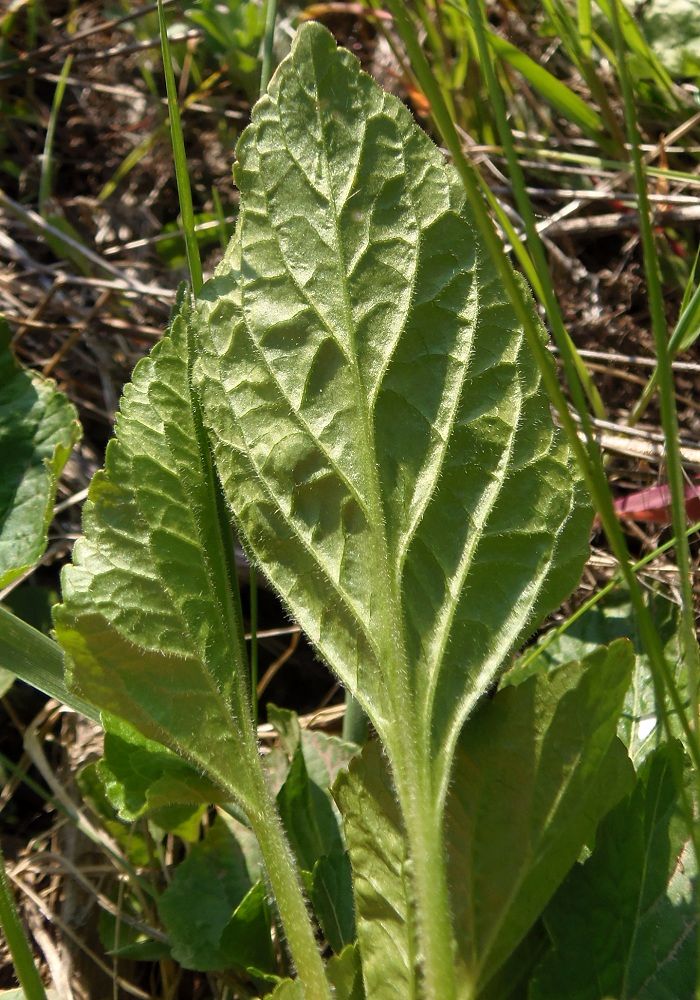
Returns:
point(536, 769)
point(140, 775)
point(307, 814)
point(122, 940)
point(377, 850)
point(345, 974)
point(288, 989)
point(325, 755)
point(38, 429)
point(331, 897)
point(130, 838)
point(624, 924)
point(610, 619)
point(287, 725)
point(205, 892)
point(246, 939)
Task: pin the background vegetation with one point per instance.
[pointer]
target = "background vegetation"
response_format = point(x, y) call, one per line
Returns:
point(93, 249)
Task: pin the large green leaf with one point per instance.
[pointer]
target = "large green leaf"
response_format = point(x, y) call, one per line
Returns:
point(536, 768)
point(624, 924)
point(149, 620)
point(376, 416)
point(38, 429)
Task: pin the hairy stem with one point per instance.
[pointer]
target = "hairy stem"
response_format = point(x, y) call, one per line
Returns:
point(286, 886)
point(431, 902)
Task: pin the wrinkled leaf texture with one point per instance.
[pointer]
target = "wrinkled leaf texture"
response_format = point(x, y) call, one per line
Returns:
point(377, 419)
point(148, 623)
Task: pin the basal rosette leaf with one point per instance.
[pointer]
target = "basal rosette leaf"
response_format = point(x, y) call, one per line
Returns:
point(38, 429)
point(148, 620)
point(376, 417)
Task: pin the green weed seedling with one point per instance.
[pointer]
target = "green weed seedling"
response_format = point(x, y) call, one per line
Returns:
point(353, 394)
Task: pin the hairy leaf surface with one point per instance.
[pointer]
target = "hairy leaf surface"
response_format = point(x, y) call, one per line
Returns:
point(148, 622)
point(38, 429)
point(377, 419)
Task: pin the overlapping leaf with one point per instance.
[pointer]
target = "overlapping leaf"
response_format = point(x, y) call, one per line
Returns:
point(38, 429)
point(624, 924)
point(610, 619)
point(535, 770)
point(148, 619)
point(377, 419)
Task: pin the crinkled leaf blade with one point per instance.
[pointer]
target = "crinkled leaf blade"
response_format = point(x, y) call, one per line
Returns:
point(345, 974)
point(331, 896)
point(307, 814)
point(377, 419)
point(148, 621)
point(38, 429)
point(624, 923)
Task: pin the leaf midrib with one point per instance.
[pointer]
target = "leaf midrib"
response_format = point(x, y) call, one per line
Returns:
point(396, 680)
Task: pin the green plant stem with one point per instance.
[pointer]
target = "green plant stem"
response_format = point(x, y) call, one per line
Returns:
point(285, 883)
point(253, 591)
point(669, 416)
point(268, 44)
point(587, 456)
point(423, 820)
point(576, 371)
point(180, 159)
point(681, 338)
point(17, 942)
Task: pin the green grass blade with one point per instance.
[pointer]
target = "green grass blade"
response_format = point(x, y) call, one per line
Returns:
point(634, 40)
point(556, 93)
point(47, 157)
point(616, 580)
point(684, 336)
point(669, 416)
point(584, 25)
point(38, 660)
point(180, 159)
point(268, 44)
point(17, 942)
point(574, 365)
